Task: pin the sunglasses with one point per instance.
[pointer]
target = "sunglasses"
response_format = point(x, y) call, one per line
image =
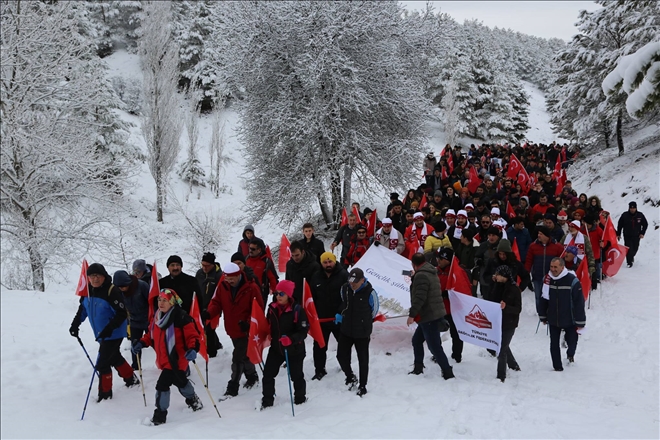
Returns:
point(281, 294)
point(253, 249)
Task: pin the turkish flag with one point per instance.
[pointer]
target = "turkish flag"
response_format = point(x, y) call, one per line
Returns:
point(444, 175)
point(154, 290)
point(196, 315)
point(509, 210)
point(344, 218)
point(423, 202)
point(371, 224)
point(83, 288)
point(444, 150)
point(285, 254)
point(458, 280)
point(613, 258)
point(561, 181)
point(582, 273)
point(523, 180)
point(515, 250)
point(557, 171)
point(357, 214)
point(450, 162)
point(313, 317)
point(259, 335)
point(474, 181)
point(514, 167)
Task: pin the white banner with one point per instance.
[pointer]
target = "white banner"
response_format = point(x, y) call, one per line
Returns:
point(383, 269)
point(477, 321)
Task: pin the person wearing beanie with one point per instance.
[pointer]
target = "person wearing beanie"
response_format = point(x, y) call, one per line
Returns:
point(288, 330)
point(633, 224)
point(582, 242)
point(562, 218)
point(208, 277)
point(326, 285)
point(508, 295)
point(550, 222)
point(142, 270)
point(263, 267)
point(176, 341)
point(454, 232)
point(183, 284)
point(244, 244)
point(136, 300)
point(505, 256)
point(358, 309)
point(239, 259)
point(416, 234)
point(233, 299)
point(595, 233)
point(438, 239)
point(301, 266)
point(486, 251)
point(539, 255)
point(104, 305)
point(311, 244)
point(571, 258)
point(359, 245)
point(389, 237)
point(518, 232)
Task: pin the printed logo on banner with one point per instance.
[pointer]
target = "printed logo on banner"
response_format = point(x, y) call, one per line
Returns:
point(478, 318)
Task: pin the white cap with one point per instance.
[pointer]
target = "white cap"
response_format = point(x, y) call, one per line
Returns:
point(462, 213)
point(450, 213)
point(469, 205)
point(231, 269)
point(418, 214)
point(500, 223)
point(387, 221)
point(577, 224)
point(495, 211)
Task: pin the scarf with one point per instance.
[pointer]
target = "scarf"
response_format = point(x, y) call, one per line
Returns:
point(421, 238)
point(163, 322)
point(545, 292)
point(576, 240)
point(393, 241)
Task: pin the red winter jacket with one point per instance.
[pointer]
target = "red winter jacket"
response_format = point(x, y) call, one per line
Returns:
point(357, 250)
point(186, 337)
point(236, 308)
point(595, 236)
point(264, 271)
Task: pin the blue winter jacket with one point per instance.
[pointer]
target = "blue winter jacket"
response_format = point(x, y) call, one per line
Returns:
point(105, 308)
point(523, 240)
point(565, 306)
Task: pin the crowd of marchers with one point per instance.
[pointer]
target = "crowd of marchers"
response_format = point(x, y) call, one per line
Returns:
point(506, 214)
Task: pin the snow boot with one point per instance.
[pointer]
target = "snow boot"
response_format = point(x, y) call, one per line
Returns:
point(448, 374)
point(194, 403)
point(362, 391)
point(418, 369)
point(456, 357)
point(105, 387)
point(104, 395)
point(266, 403)
point(132, 381)
point(252, 380)
point(319, 374)
point(159, 417)
point(232, 389)
point(570, 359)
point(299, 400)
point(351, 382)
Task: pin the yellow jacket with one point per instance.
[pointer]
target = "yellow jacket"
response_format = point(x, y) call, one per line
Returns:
point(434, 242)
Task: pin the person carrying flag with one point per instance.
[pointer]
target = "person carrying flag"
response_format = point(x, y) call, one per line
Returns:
point(176, 341)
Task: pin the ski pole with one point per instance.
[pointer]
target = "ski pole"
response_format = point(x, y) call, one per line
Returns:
point(207, 388)
point(87, 354)
point(288, 374)
point(91, 382)
point(139, 362)
point(537, 326)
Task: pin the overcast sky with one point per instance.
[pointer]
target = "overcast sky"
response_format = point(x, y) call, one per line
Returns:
point(545, 19)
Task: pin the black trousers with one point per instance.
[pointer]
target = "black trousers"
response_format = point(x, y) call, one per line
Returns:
point(505, 358)
point(456, 343)
point(344, 356)
point(240, 363)
point(109, 356)
point(212, 341)
point(272, 368)
point(321, 354)
point(633, 245)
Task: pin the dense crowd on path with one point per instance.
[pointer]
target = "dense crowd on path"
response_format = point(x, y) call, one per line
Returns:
point(506, 215)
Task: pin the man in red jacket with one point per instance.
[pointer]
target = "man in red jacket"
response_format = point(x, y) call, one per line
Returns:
point(234, 297)
point(539, 256)
point(263, 268)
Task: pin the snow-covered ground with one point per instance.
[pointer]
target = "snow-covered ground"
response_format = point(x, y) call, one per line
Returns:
point(610, 392)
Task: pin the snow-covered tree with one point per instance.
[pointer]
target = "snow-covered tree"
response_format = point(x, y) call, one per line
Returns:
point(330, 96)
point(191, 170)
point(57, 133)
point(161, 124)
point(217, 157)
point(450, 108)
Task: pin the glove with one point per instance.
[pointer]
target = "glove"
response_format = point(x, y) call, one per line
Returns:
point(73, 330)
point(106, 332)
point(338, 318)
point(137, 347)
point(244, 326)
point(376, 243)
point(205, 315)
point(285, 341)
point(443, 325)
point(191, 355)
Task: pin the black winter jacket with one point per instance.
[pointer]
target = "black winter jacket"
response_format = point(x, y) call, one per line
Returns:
point(358, 310)
point(326, 291)
point(510, 294)
point(632, 225)
point(565, 306)
point(184, 285)
point(314, 246)
point(296, 272)
point(290, 321)
point(207, 284)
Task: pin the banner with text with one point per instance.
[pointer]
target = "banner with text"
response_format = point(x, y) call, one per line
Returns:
point(383, 269)
point(477, 321)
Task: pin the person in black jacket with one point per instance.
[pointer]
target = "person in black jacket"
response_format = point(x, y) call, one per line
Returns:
point(345, 235)
point(310, 243)
point(326, 286)
point(288, 330)
point(301, 266)
point(183, 284)
point(105, 308)
point(508, 295)
point(359, 308)
point(208, 277)
point(634, 225)
point(136, 300)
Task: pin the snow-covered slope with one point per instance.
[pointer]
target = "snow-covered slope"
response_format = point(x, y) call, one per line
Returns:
point(610, 392)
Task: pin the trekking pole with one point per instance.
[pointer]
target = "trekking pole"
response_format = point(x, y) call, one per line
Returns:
point(87, 354)
point(288, 374)
point(537, 326)
point(207, 388)
point(139, 362)
point(91, 382)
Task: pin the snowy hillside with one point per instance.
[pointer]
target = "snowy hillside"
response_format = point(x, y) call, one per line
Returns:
point(610, 392)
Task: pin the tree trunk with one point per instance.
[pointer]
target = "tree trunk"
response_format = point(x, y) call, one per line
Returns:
point(35, 264)
point(606, 133)
point(335, 190)
point(348, 178)
point(619, 137)
point(159, 195)
point(325, 210)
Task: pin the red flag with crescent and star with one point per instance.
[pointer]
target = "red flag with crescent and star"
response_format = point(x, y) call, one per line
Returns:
point(313, 317)
point(259, 335)
point(613, 258)
point(83, 287)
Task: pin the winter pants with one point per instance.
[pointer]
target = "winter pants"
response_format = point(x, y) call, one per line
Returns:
point(428, 331)
point(538, 290)
point(272, 368)
point(633, 246)
point(505, 358)
point(109, 356)
point(321, 354)
point(456, 343)
point(345, 344)
point(571, 338)
point(212, 341)
point(168, 378)
point(240, 363)
point(136, 335)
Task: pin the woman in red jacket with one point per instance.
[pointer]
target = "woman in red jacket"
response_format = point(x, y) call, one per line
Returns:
point(175, 339)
